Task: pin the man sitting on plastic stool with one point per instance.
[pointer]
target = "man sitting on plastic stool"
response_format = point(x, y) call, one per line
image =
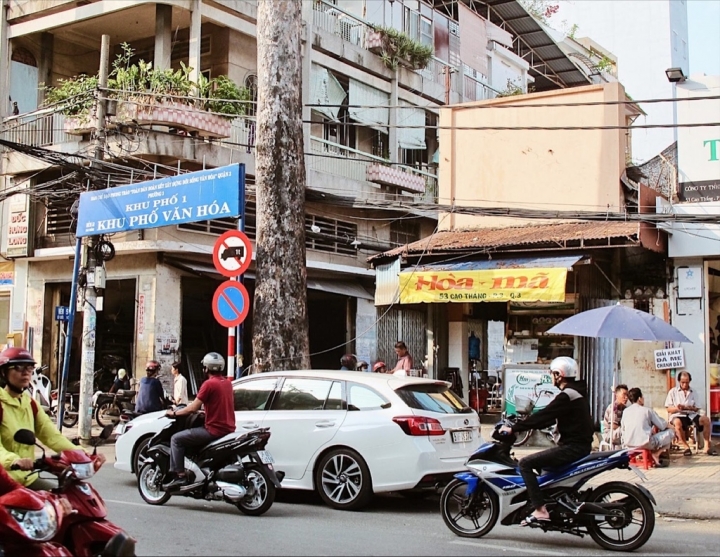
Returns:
point(637, 428)
point(684, 412)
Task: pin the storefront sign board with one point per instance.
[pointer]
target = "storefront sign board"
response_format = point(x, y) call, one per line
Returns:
point(18, 226)
point(670, 358)
point(487, 285)
point(7, 273)
point(196, 196)
point(519, 381)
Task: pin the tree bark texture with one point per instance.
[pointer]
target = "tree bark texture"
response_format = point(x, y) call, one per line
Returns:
point(280, 320)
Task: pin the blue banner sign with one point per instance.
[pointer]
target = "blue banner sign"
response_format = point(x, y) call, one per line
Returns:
point(196, 196)
point(62, 313)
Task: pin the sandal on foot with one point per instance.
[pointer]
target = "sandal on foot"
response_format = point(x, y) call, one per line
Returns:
point(711, 452)
point(687, 452)
point(533, 521)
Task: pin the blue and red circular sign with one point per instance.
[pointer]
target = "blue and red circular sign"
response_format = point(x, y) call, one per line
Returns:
point(231, 303)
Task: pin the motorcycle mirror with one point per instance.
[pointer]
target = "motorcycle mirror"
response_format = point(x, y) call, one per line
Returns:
point(24, 437)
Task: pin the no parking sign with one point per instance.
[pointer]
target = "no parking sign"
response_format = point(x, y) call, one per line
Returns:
point(231, 303)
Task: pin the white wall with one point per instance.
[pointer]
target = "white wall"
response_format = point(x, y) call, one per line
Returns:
point(644, 35)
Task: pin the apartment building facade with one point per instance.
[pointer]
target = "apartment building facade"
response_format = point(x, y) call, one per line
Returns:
point(360, 147)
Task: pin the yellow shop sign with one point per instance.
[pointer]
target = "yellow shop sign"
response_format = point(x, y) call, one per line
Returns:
point(487, 285)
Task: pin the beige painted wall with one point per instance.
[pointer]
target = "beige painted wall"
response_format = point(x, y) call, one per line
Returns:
point(557, 169)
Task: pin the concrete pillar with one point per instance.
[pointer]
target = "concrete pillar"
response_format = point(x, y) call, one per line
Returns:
point(163, 36)
point(45, 64)
point(195, 39)
point(366, 331)
point(4, 62)
point(392, 135)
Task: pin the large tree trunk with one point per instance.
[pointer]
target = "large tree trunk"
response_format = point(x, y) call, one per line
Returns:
point(280, 321)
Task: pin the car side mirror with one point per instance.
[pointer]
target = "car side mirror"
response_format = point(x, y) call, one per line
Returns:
point(24, 437)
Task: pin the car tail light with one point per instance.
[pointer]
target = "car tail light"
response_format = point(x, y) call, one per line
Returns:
point(419, 425)
point(54, 395)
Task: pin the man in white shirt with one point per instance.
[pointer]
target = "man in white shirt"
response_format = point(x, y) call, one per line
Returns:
point(637, 428)
point(180, 395)
point(683, 412)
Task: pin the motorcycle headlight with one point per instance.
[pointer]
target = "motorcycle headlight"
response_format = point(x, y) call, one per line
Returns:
point(83, 471)
point(39, 525)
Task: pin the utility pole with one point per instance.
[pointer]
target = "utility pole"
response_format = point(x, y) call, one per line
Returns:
point(87, 359)
point(280, 318)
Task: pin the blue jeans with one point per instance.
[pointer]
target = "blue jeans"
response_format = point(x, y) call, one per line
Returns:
point(195, 437)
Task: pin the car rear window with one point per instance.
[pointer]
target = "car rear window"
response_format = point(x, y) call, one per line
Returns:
point(434, 398)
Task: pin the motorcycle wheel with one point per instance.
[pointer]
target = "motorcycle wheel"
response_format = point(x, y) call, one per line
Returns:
point(464, 515)
point(107, 414)
point(150, 485)
point(522, 438)
point(260, 495)
point(70, 416)
point(633, 519)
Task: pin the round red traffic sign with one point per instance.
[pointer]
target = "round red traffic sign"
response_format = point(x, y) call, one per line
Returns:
point(231, 303)
point(232, 253)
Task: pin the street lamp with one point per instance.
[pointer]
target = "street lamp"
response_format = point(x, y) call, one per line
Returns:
point(675, 75)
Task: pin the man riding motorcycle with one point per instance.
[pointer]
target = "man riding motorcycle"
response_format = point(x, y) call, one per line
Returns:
point(18, 411)
point(574, 424)
point(216, 395)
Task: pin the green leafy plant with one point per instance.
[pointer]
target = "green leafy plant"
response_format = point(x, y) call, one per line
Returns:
point(512, 89)
point(74, 95)
point(398, 48)
point(139, 81)
point(605, 64)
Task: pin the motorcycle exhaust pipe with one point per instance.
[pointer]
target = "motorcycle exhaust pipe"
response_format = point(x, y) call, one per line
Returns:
point(232, 492)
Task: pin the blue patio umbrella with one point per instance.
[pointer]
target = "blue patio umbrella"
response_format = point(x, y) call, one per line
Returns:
point(618, 321)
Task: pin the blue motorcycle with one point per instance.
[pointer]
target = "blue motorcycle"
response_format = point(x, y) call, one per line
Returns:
point(618, 516)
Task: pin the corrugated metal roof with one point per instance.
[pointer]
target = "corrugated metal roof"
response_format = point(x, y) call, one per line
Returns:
point(516, 19)
point(565, 262)
point(495, 238)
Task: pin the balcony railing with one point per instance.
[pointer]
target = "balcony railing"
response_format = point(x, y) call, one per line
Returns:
point(337, 21)
point(242, 134)
point(339, 160)
point(41, 128)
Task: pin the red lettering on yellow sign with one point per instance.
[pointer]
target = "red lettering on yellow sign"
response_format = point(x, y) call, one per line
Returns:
point(432, 282)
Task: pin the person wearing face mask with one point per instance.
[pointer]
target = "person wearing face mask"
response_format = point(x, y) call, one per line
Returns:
point(19, 411)
point(571, 411)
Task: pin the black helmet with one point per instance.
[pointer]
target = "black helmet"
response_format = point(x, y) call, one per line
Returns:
point(213, 362)
point(349, 361)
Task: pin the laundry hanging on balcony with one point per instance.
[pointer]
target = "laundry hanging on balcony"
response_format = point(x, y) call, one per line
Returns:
point(361, 96)
point(326, 91)
point(411, 137)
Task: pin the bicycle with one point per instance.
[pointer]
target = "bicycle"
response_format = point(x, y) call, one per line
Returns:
point(524, 406)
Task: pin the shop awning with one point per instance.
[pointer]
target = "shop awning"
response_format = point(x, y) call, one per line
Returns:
point(528, 279)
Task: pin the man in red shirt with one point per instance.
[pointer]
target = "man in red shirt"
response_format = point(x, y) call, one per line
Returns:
point(216, 395)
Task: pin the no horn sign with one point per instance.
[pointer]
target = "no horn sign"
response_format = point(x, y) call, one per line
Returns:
point(231, 303)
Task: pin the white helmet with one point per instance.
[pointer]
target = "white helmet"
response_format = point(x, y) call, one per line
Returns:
point(213, 362)
point(566, 367)
point(121, 373)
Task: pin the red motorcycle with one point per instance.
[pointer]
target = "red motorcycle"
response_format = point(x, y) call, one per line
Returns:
point(86, 532)
point(28, 521)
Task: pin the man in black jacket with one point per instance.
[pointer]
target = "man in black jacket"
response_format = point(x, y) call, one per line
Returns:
point(574, 424)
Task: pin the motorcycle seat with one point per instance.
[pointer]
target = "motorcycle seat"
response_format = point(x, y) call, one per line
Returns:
point(600, 455)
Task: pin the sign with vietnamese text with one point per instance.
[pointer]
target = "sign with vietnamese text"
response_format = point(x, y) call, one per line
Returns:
point(669, 358)
point(698, 148)
point(487, 285)
point(18, 226)
point(196, 196)
point(7, 273)
point(62, 313)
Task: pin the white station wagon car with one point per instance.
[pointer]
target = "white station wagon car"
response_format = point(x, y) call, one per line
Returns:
point(345, 434)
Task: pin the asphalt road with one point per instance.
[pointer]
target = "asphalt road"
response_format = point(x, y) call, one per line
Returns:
point(299, 524)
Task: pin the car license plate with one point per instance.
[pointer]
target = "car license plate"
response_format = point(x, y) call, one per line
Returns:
point(266, 457)
point(462, 436)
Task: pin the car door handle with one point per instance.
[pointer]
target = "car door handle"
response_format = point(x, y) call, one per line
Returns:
point(325, 423)
point(250, 425)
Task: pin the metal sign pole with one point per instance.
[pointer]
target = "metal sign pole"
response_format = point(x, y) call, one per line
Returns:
point(241, 228)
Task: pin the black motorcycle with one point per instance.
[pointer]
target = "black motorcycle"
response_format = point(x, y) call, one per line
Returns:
point(109, 406)
point(236, 469)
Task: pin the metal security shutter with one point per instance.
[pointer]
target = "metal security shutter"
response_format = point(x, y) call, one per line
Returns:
point(406, 324)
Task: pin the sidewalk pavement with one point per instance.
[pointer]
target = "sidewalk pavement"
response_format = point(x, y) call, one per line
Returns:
point(688, 488)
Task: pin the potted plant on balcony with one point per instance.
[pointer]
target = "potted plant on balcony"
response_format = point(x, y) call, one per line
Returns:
point(396, 48)
point(146, 95)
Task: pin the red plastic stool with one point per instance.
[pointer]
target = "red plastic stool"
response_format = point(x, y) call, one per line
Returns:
point(642, 457)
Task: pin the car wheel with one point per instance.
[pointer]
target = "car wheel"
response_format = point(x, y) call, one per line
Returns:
point(343, 480)
point(139, 454)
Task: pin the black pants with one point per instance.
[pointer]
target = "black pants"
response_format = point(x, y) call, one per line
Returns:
point(551, 458)
point(195, 437)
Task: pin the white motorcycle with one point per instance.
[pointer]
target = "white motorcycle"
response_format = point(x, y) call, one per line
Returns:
point(47, 398)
